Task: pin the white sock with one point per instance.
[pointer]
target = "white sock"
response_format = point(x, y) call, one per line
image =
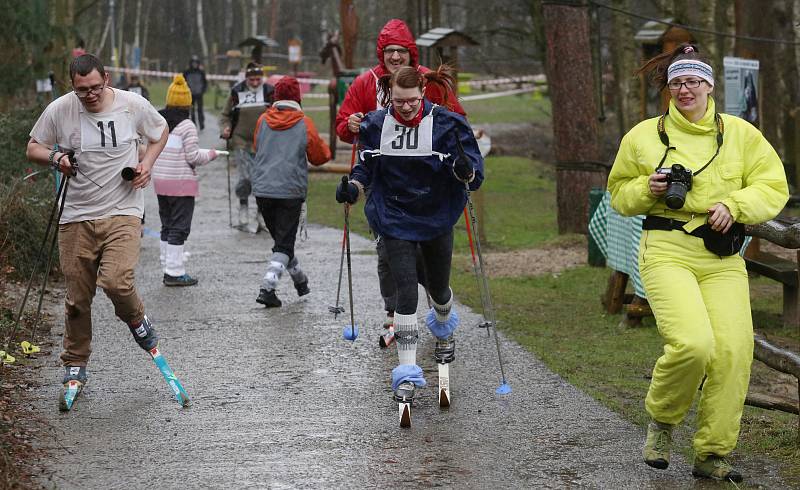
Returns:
point(162, 256)
point(406, 334)
point(443, 311)
point(174, 266)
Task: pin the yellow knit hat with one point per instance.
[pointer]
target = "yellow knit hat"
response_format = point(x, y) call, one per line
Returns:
point(178, 93)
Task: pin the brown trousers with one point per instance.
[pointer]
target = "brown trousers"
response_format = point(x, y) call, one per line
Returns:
point(96, 253)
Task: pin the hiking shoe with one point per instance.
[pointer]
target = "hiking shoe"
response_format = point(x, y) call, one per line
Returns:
point(268, 298)
point(656, 448)
point(144, 334)
point(75, 373)
point(716, 468)
point(445, 350)
point(302, 288)
point(184, 280)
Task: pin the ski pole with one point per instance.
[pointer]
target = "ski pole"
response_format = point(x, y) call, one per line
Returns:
point(475, 270)
point(60, 196)
point(353, 333)
point(338, 309)
point(228, 167)
point(483, 281)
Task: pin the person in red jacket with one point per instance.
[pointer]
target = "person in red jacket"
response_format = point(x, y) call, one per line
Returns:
point(284, 142)
point(395, 49)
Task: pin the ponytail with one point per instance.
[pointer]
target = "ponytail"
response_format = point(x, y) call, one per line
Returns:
point(655, 69)
point(410, 77)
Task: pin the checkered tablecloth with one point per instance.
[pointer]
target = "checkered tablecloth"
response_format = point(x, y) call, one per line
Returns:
point(617, 237)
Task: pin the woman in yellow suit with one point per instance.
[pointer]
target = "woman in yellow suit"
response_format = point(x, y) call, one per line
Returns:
point(699, 176)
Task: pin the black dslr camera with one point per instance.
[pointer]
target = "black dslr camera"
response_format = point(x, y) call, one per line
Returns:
point(679, 182)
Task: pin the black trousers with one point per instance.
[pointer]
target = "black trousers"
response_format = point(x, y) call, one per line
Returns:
point(386, 281)
point(436, 258)
point(282, 217)
point(176, 218)
point(197, 104)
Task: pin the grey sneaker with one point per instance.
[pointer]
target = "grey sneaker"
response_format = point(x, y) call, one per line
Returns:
point(75, 373)
point(144, 334)
point(658, 444)
point(716, 468)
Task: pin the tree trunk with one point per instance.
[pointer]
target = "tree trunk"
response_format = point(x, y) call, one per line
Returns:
point(349, 20)
point(146, 31)
point(120, 37)
point(574, 100)
point(201, 31)
point(275, 7)
point(227, 30)
point(254, 17)
point(625, 60)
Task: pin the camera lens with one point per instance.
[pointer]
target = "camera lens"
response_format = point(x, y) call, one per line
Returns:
point(676, 195)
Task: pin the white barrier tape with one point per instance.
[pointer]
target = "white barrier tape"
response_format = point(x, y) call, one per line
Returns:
point(527, 79)
point(498, 94)
point(230, 78)
point(318, 81)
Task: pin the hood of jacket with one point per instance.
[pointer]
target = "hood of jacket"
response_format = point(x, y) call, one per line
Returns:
point(282, 119)
point(396, 32)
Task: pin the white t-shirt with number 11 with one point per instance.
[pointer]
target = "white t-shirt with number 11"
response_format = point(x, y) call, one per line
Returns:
point(104, 143)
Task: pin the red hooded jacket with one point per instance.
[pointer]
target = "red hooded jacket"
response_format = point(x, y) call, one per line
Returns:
point(362, 96)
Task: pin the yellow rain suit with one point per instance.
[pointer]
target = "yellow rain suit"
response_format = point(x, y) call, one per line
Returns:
point(700, 300)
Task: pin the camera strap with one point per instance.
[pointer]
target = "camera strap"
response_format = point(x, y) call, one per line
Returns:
point(664, 137)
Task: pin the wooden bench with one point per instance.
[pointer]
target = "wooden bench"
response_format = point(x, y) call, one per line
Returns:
point(785, 272)
point(785, 233)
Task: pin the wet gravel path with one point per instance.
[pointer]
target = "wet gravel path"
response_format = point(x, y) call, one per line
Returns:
point(280, 400)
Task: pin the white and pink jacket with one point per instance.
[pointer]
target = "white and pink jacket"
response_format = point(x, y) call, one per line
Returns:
point(174, 171)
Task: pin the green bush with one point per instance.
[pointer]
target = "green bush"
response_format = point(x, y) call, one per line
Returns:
point(24, 204)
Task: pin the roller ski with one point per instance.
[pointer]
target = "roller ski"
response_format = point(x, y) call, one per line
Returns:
point(74, 380)
point(169, 376)
point(145, 335)
point(404, 396)
point(444, 354)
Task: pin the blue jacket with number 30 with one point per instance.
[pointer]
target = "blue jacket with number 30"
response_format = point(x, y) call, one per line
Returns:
point(415, 197)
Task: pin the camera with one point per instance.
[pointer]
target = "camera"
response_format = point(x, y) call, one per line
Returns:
point(679, 182)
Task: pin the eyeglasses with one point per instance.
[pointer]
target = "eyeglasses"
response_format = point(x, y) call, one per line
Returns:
point(689, 84)
point(399, 103)
point(391, 51)
point(84, 92)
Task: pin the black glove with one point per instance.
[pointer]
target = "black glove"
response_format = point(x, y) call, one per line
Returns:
point(346, 191)
point(462, 168)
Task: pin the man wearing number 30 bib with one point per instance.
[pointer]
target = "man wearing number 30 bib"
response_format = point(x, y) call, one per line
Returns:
point(416, 176)
point(100, 228)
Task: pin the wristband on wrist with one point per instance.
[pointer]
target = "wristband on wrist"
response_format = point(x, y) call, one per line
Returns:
point(50, 161)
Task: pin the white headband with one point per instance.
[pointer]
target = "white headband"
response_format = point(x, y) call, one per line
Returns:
point(691, 67)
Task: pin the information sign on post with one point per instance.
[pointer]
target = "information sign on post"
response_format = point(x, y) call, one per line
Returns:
point(741, 88)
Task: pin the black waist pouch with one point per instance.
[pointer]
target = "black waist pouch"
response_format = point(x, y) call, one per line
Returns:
point(722, 244)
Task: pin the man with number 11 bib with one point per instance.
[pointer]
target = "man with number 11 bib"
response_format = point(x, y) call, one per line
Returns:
point(416, 160)
point(100, 228)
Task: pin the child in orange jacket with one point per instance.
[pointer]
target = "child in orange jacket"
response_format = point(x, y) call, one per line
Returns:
point(285, 141)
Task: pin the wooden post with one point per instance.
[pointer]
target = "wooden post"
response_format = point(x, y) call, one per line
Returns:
point(577, 147)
